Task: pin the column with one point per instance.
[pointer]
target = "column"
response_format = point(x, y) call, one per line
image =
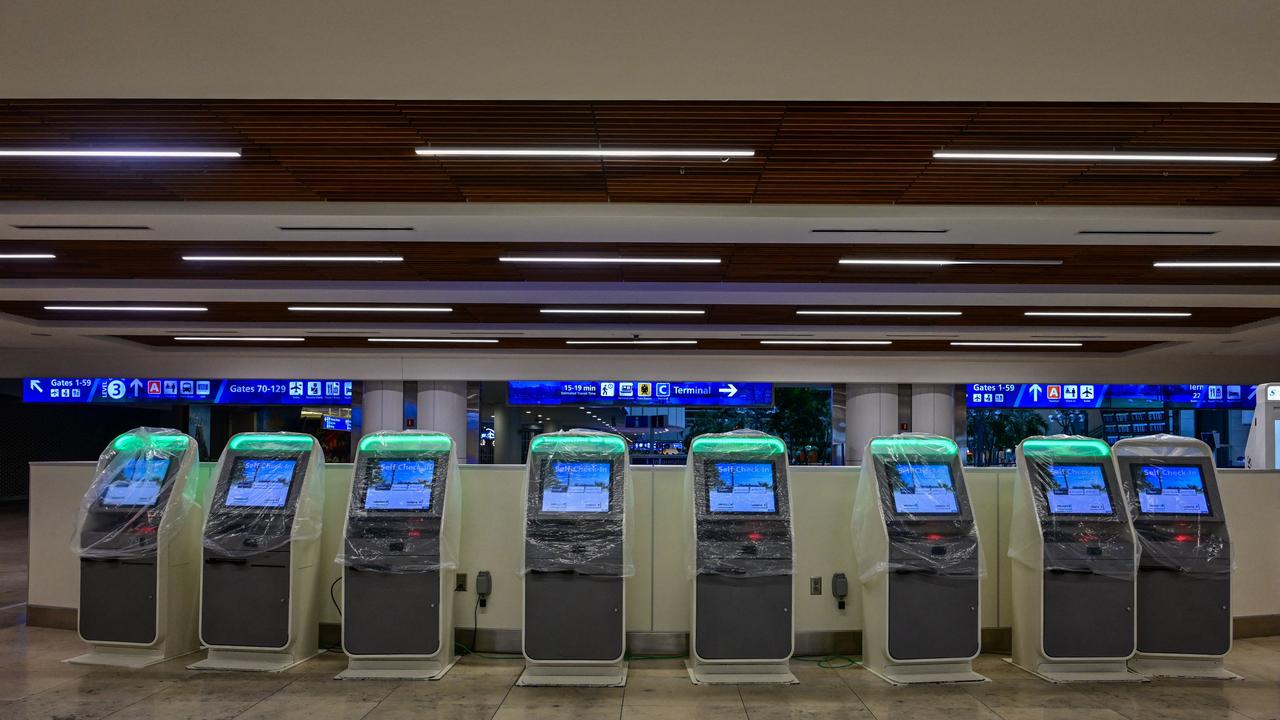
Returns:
point(872, 411)
point(442, 407)
point(933, 409)
point(383, 406)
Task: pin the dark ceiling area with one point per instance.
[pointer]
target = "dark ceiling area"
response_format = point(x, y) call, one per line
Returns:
point(805, 263)
point(806, 152)
point(523, 313)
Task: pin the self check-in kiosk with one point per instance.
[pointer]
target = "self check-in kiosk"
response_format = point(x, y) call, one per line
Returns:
point(1074, 561)
point(138, 539)
point(261, 554)
point(400, 557)
point(919, 562)
point(576, 559)
point(741, 560)
point(1184, 575)
point(1262, 449)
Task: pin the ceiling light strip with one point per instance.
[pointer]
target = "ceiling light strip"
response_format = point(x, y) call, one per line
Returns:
point(128, 308)
point(973, 343)
point(630, 342)
point(293, 258)
point(938, 262)
point(120, 153)
point(27, 256)
point(1103, 156)
point(433, 340)
point(884, 313)
point(619, 311)
point(368, 309)
point(233, 338)
point(1106, 314)
point(582, 153)
point(1211, 264)
point(612, 260)
point(826, 342)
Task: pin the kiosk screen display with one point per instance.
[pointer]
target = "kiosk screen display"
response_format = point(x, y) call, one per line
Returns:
point(742, 488)
point(1077, 490)
point(401, 485)
point(576, 487)
point(924, 489)
point(138, 484)
point(1171, 490)
point(260, 483)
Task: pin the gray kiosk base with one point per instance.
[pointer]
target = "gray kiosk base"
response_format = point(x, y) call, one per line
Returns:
point(919, 673)
point(610, 675)
point(124, 657)
point(1182, 667)
point(370, 669)
point(1068, 672)
point(740, 673)
point(250, 661)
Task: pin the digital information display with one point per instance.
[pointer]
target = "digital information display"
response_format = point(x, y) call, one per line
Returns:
point(924, 489)
point(1171, 490)
point(125, 390)
point(639, 392)
point(1085, 396)
point(1078, 490)
point(138, 484)
point(401, 485)
point(577, 487)
point(260, 483)
point(742, 488)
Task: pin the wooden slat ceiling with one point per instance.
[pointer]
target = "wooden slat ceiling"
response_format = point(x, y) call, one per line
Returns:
point(756, 263)
point(335, 150)
point(704, 345)
point(518, 313)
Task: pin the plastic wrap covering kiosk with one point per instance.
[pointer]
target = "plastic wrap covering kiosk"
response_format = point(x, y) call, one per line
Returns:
point(1261, 451)
point(919, 562)
point(1074, 562)
point(400, 557)
point(741, 561)
point(261, 551)
point(138, 539)
point(576, 560)
point(1184, 575)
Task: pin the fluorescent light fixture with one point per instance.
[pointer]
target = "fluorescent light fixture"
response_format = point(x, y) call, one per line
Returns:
point(432, 340)
point(1103, 156)
point(885, 313)
point(826, 342)
point(1216, 264)
point(618, 311)
point(369, 308)
point(128, 308)
point(941, 263)
point(1106, 314)
point(293, 258)
point(581, 153)
point(27, 256)
point(612, 260)
point(630, 342)
point(969, 343)
point(121, 153)
point(235, 338)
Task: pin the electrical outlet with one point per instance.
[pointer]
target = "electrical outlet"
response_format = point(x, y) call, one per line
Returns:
point(815, 586)
point(461, 584)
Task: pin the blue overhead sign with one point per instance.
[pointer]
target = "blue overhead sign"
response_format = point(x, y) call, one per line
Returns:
point(1085, 396)
point(171, 390)
point(639, 392)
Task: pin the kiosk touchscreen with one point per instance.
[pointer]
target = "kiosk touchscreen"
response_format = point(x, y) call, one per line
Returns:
point(918, 562)
point(400, 557)
point(261, 551)
point(138, 539)
point(1074, 563)
point(742, 559)
point(576, 560)
point(1184, 576)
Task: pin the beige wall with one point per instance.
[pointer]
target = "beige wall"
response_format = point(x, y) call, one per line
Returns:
point(1084, 50)
point(657, 597)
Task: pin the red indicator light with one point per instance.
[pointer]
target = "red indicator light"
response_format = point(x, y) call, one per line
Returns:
point(145, 530)
point(1087, 537)
point(755, 536)
point(415, 533)
point(933, 536)
point(1182, 537)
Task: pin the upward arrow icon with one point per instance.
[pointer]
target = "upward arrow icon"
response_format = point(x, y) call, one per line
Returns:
point(1035, 391)
point(135, 387)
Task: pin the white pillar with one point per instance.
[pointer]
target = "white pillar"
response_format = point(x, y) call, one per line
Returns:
point(933, 410)
point(383, 406)
point(442, 407)
point(872, 411)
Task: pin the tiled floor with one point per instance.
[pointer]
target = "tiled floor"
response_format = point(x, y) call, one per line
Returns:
point(34, 683)
point(13, 564)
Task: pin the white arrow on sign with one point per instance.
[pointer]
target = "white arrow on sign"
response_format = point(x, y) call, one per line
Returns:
point(730, 391)
point(1035, 392)
point(35, 385)
point(136, 386)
